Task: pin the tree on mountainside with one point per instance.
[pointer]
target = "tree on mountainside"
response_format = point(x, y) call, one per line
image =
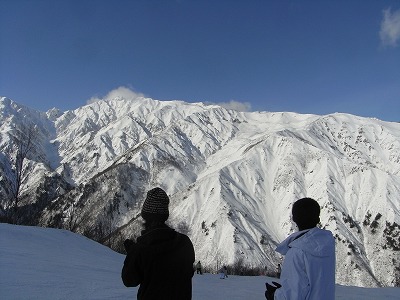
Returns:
point(74, 217)
point(24, 145)
point(396, 274)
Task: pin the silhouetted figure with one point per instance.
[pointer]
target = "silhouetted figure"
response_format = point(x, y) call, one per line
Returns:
point(198, 268)
point(223, 273)
point(161, 261)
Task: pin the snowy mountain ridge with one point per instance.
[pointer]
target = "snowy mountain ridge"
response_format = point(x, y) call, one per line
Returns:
point(232, 177)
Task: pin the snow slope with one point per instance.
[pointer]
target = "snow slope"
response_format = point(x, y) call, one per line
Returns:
point(43, 263)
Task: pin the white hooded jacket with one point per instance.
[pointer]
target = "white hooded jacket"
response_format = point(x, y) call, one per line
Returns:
point(308, 271)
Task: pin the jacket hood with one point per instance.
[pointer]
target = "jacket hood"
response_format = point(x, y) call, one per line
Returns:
point(315, 241)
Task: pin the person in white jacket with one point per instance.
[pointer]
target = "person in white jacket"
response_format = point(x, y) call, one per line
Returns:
point(308, 271)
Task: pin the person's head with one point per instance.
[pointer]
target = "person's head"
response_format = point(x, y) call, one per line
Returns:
point(155, 207)
point(305, 213)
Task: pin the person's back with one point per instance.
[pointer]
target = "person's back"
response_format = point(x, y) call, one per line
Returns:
point(162, 265)
point(309, 268)
point(161, 261)
point(308, 271)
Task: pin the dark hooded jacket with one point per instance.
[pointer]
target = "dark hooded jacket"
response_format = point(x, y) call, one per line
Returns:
point(161, 261)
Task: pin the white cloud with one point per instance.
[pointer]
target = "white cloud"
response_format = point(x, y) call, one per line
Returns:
point(390, 28)
point(120, 92)
point(236, 105)
point(130, 94)
point(93, 100)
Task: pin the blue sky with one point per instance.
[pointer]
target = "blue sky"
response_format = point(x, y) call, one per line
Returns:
point(303, 56)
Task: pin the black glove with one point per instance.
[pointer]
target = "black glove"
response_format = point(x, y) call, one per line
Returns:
point(128, 244)
point(269, 293)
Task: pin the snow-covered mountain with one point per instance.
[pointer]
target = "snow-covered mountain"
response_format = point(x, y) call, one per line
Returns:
point(232, 177)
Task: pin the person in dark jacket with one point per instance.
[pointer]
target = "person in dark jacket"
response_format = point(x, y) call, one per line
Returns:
point(161, 260)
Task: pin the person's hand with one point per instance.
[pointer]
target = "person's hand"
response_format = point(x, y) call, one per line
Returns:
point(128, 244)
point(269, 293)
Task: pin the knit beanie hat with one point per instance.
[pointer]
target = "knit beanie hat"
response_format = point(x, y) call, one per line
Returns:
point(155, 206)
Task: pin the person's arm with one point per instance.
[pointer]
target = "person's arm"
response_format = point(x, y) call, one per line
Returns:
point(192, 254)
point(294, 279)
point(131, 273)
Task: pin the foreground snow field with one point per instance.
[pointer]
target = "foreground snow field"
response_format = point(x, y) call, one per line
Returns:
point(44, 263)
